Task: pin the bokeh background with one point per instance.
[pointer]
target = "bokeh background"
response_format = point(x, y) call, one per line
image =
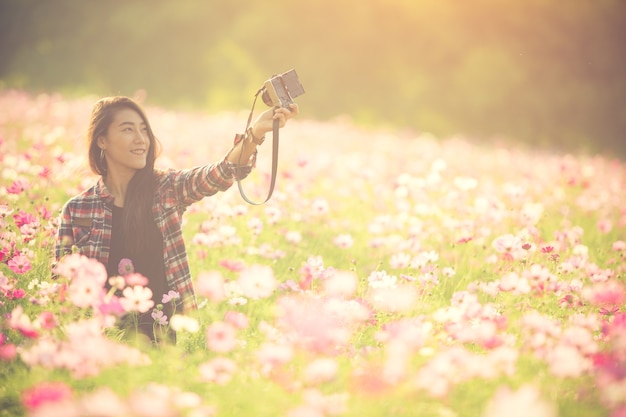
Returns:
point(550, 74)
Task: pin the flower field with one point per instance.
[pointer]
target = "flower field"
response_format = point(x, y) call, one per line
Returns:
point(391, 274)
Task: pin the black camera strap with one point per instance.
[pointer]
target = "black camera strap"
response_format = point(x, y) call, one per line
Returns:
point(274, 156)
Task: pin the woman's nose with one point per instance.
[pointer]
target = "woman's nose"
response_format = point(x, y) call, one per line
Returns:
point(141, 137)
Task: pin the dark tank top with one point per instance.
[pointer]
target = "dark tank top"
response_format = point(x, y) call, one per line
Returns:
point(149, 263)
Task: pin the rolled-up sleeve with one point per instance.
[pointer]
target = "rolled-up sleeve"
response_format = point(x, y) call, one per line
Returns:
point(192, 185)
point(241, 171)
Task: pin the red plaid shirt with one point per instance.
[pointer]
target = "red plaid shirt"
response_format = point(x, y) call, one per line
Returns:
point(86, 219)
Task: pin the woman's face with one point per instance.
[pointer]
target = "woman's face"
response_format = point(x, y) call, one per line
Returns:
point(126, 143)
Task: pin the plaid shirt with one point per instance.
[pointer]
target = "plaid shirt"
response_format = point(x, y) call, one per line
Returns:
point(86, 219)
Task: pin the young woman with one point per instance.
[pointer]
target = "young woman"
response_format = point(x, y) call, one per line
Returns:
point(134, 212)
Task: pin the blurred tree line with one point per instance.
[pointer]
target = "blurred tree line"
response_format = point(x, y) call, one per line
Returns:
point(548, 72)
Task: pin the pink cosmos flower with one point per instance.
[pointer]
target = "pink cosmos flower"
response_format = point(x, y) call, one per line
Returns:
point(22, 218)
point(448, 272)
point(218, 370)
point(312, 269)
point(256, 225)
point(6, 284)
point(18, 186)
point(344, 241)
point(85, 292)
point(237, 319)
point(8, 352)
point(539, 277)
point(619, 246)
point(221, 337)
point(526, 401)
point(293, 237)
point(5, 210)
point(317, 324)
point(75, 266)
point(400, 260)
point(320, 207)
point(341, 284)
point(605, 225)
point(45, 393)
point(22, 323)
point(17, 293)
point(104, 402)
point(411, 332)
point(159, 317)
point(4, 252)
point(273, 355)
point(211, 285)
point(47, 320)
point(29, 231)
point(570, 301)
point(232, 265)
point(509, 245)
point(257, 282)
point(152, 400)
point(381, 279)
point(606, 294)
point(110, 305)
point(45, 172)
point(19, 264)
point(135, 279)
point(137, 298)
point(457, 364)
point(171, 295)
point(125, 267)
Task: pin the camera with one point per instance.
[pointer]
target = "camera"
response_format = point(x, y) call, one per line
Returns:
point(280, 90)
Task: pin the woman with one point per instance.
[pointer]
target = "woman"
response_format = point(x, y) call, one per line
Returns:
point(134, 212)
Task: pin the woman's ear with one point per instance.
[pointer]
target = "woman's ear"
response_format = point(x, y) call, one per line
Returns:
point(101, 142)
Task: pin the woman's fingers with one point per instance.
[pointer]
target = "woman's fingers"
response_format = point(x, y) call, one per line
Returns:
point(282, 114)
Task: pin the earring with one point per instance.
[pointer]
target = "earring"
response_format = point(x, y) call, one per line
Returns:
point(101, 154)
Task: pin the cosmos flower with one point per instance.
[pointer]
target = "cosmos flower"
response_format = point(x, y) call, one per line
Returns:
point(211, 285)
point(125, 267)
point(137, 298)
point(179, 322)
point(257, 282)
point(526, 401)
point(45, 393)
point(218, 370)
point(221, 337)
point(171, 295)
point(159, 317)
point(19, 264)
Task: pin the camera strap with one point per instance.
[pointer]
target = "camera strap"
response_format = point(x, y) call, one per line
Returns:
point(275, 129)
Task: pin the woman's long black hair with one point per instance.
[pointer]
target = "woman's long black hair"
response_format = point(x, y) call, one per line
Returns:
point(140, 193)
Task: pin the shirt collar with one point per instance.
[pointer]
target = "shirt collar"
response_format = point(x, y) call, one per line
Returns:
point(103, 192)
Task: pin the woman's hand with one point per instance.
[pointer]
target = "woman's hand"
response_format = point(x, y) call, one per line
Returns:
point(265, 121)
